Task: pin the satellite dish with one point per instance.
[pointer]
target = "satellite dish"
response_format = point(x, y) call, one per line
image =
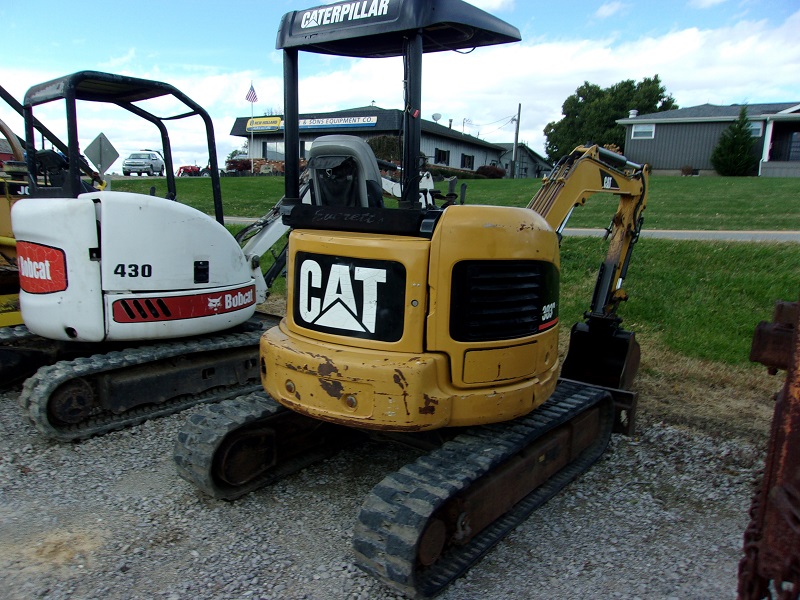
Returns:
point(437, 116)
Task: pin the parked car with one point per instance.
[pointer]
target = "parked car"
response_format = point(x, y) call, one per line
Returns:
point(148, 162)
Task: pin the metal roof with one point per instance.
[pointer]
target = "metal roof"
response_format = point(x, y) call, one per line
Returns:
point(381, 28)
point(389, 121)
point(509, 147)
point(713, 112)
point(99, 87)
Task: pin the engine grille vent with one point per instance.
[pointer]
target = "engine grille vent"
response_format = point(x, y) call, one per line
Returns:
point(499, 300)
point(149, 309)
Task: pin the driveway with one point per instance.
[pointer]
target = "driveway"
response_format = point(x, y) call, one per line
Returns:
point(722, 236)
point(667, 234)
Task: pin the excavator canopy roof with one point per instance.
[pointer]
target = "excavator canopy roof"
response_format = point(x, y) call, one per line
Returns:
point(380, 28)
point(96, 86)
point(125, 92)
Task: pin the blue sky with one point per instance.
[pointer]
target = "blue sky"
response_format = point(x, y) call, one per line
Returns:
point(715, 51)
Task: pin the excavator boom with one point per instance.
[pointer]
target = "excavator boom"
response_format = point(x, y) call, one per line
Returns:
point(578, 176)
point(600, 351)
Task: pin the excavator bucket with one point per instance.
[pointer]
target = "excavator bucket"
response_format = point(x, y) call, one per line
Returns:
point(605, 356)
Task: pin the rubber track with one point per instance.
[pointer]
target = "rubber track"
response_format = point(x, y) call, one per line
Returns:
point(203, 433)
point(37, 389)
point(395, 513)
point(15, 334)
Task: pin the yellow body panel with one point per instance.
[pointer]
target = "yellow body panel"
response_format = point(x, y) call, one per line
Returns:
point(9, 310)
point(424, 379)
point(411, 252)
point(9, 283)
point(395, 391)
point(487, 233)
point(5, 217)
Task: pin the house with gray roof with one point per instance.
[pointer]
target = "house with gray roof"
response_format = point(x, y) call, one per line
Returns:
point(672, 140)
point(443, 146)
point(529, 164)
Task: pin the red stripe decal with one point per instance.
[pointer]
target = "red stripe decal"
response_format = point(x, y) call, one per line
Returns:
point(548, 325)
point(190, 306)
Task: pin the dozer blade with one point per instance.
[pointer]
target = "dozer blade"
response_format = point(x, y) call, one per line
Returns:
point(600, 355)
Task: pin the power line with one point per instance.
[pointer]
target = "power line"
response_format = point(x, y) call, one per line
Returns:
point(510, 120)
point(493, 122)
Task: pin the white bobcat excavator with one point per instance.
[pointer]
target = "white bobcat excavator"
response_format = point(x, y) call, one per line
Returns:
point(110, 280)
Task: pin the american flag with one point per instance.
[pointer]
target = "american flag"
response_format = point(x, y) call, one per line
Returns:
point(251, 95)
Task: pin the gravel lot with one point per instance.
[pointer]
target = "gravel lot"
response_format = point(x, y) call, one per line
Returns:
point(660, 516)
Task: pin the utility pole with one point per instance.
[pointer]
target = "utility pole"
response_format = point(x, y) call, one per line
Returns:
point(513, 174)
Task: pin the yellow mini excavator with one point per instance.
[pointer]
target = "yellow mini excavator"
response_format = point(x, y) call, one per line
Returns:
point(13, 180)
point(434, 326)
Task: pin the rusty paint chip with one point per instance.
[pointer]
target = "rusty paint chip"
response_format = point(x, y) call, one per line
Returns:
point(332, 388)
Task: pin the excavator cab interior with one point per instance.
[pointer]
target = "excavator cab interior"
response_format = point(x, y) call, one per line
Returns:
point(344, 172)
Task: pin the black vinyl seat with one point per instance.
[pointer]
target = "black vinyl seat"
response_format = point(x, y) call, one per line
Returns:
point(344, 172)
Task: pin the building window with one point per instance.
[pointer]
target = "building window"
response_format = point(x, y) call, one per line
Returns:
point(756, 128)
point(467, 161)
point(441, 157)
point(643, 132)
point(794, 147)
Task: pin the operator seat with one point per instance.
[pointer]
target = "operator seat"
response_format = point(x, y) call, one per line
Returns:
point(53, 165)
point(344, 172)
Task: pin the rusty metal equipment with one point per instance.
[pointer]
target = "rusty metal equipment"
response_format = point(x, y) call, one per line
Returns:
point(771, 565)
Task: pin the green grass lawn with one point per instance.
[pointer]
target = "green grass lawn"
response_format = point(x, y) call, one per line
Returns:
point(701, 299)
point(703, 203)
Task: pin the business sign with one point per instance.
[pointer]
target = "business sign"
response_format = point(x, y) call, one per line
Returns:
point(338, 122)
point(264, 124)
point(275, 123)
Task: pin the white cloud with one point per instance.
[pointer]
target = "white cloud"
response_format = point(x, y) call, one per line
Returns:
point(749, 61)
point(702, 4)
point(119, 62)
point(493, 5)
point(609, 9)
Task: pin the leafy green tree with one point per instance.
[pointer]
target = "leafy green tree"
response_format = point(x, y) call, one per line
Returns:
point(237, 151)
point(734, 155)
point(386, 147)
point(590, 114)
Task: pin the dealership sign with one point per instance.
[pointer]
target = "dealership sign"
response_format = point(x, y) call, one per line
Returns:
point(275, 123)
point(264, 124)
